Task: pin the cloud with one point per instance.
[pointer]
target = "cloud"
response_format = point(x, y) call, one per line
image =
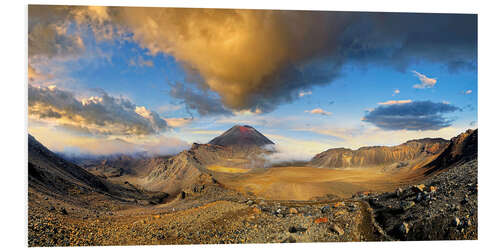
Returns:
point(178, 122)
point(318, 111)
point(292, 149)
point(304, 93)
point(425, 82)
point(246, 112)
point(396, 91)
point(418, 115)
point(97, 114)
point(392, 102)
point(168, 108)
point(70, 143)
point(468, 92)
point(261, 58)
point(202, 103)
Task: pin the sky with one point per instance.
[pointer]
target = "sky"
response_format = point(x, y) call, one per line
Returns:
point(106, 80)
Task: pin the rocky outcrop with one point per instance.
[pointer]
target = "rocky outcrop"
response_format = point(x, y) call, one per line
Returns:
point(400, 155)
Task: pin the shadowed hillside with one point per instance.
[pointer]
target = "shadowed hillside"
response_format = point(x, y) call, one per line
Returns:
point(49, 172)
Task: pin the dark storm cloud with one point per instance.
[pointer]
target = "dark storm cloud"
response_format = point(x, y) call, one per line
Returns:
point(202, 103)
point(419, 115)
point(259, 59)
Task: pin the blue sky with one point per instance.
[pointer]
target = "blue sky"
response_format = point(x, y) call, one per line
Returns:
point(307, 100)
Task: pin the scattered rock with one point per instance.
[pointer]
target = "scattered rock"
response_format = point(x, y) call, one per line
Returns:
point(407, 205)
point(399, 192)
point(464, 201)
point(455, 222)
point(336, 229)
point(289, 240)
point(325, 209)
point(339, 204)
point(404, 228)
point(468, 223)
point(63, 211)
point(295, 229)
point(292, 210)
point(321, 220)
point(419, 188)
point(419, 197)
point(256, 210)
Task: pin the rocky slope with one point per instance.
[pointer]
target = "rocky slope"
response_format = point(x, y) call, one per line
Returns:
point(50, 173)
point(442, 207)
point(400, 155)
point(462, 148)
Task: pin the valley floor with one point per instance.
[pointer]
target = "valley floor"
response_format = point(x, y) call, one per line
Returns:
point(443, 207)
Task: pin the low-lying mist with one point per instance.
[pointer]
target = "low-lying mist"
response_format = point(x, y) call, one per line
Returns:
point(284, 156)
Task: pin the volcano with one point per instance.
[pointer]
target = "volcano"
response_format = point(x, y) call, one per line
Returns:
point(241, 136)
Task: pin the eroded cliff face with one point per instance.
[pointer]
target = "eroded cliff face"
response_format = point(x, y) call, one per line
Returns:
point(462, 148)
point(400, 155)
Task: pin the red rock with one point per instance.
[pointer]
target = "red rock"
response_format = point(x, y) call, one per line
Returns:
point(321, 220)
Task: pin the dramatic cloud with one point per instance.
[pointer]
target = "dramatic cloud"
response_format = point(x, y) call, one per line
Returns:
point(318, 111)
point(418, 115)
point(202, 103)
point(391, 102)
point(304, 93)
point(49, 32)
point(96, 115)
point(258, 59)
point(425, 82)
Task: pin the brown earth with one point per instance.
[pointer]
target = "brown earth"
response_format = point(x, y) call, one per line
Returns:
point(308, 183)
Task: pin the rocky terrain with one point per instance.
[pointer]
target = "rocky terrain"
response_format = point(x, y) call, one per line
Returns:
point(185, 199)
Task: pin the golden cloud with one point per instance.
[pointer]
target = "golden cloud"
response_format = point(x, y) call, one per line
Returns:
point(256, 59)
point(392, 102)
point(95, 115)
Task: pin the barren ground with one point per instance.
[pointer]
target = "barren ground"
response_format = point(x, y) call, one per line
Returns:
point(306, 183)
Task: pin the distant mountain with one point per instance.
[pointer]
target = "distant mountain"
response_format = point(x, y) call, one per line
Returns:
point(241, 136)
point(400, 155)
point(50, 173)
point(238, 146)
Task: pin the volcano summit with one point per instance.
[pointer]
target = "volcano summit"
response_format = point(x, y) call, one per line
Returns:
point(241, 135)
